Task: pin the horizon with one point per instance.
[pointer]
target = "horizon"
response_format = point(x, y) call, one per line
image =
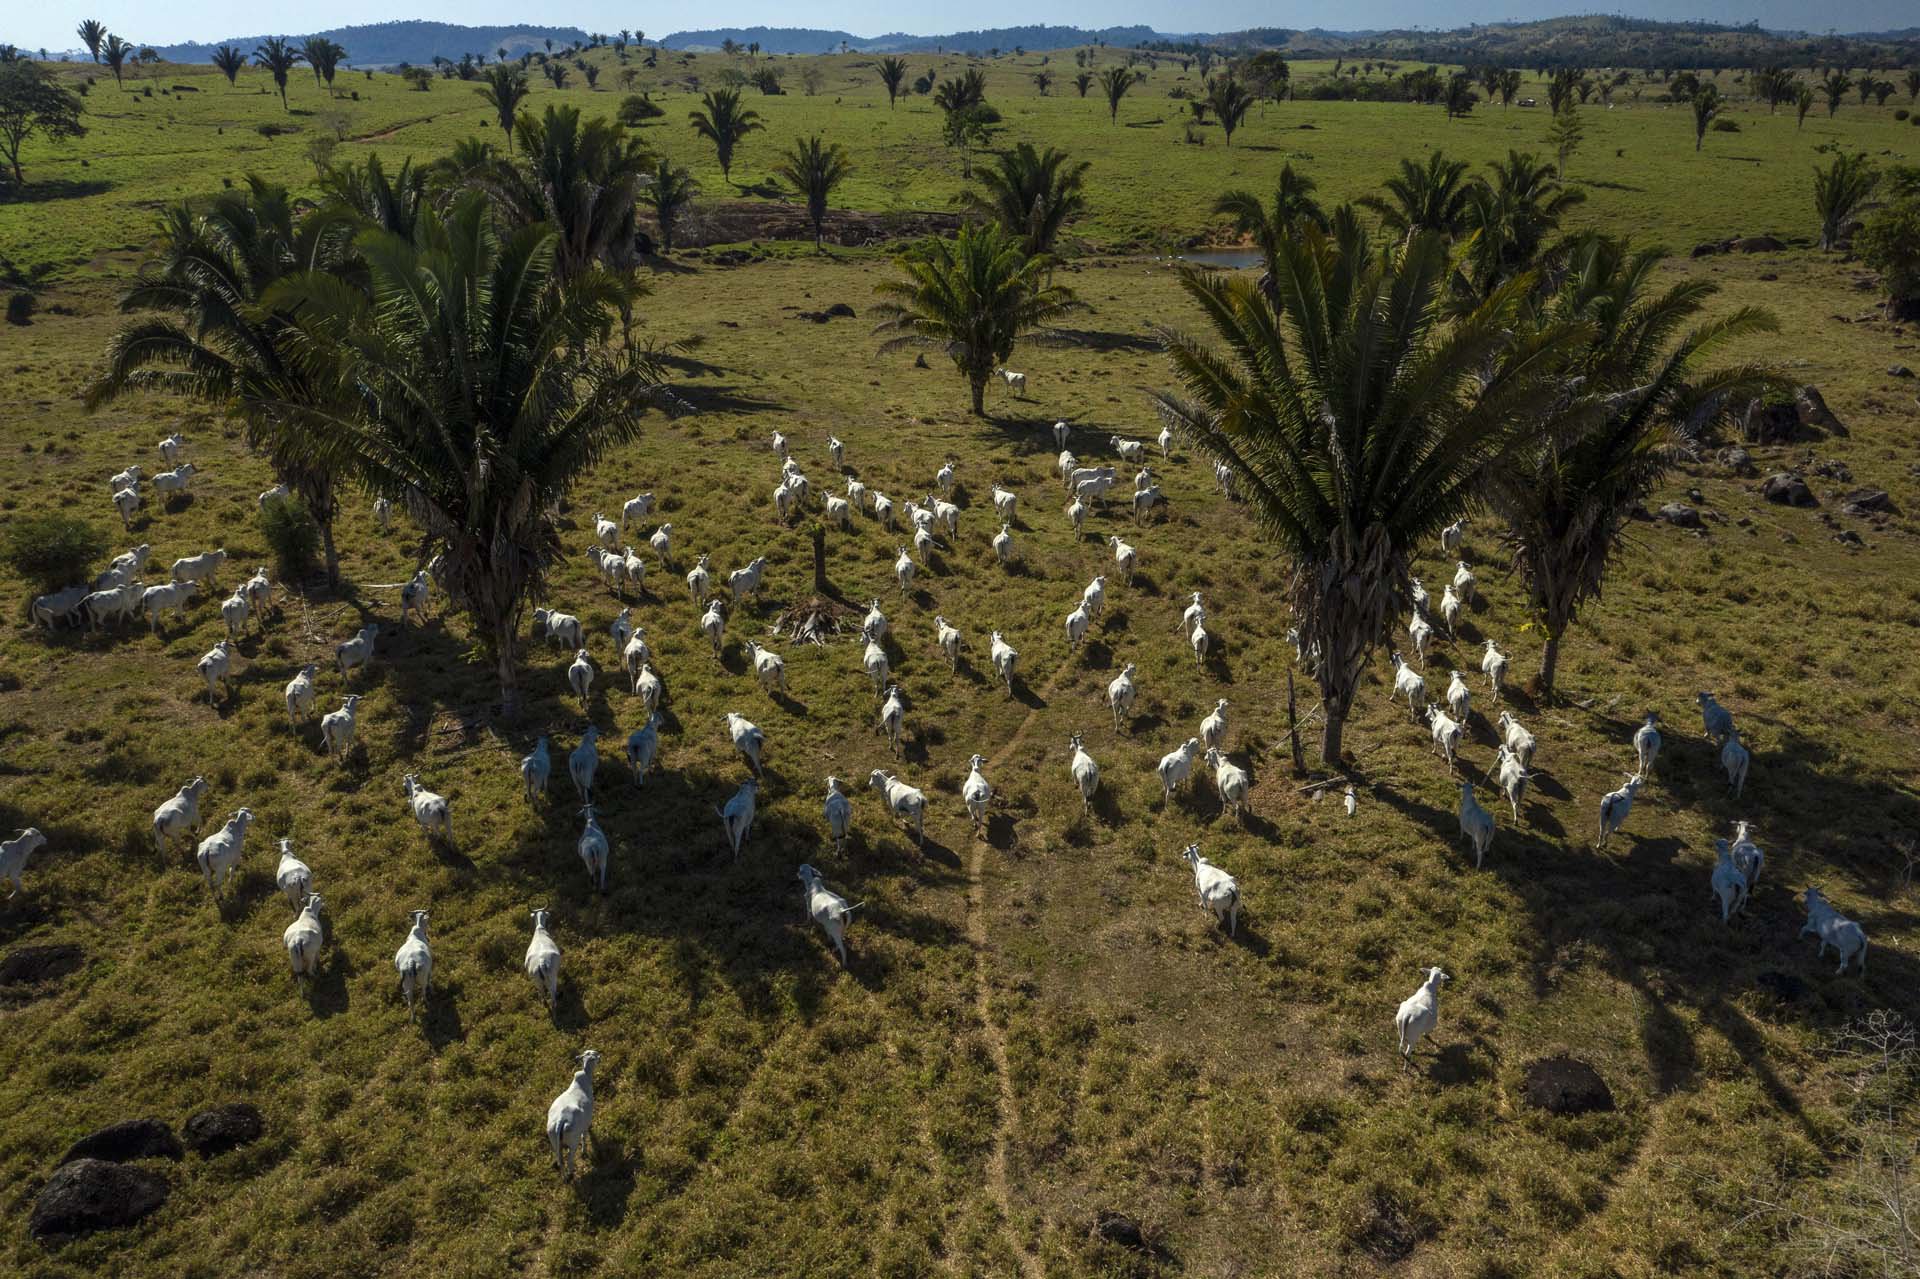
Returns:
point(211, 21)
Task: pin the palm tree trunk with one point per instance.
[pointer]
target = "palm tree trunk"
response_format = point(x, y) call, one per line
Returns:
point(1550, 662)
point(333, 554)
point(505, 643)
point(1330, 736)
point(979, 385)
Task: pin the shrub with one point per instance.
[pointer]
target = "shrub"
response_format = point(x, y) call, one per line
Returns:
point(291, 535)
point(20, 308)
point(1900, 113)
point(53, 552)
point(273, 129)
point(1724, 125)
point(635, 109)
point(1889, 242)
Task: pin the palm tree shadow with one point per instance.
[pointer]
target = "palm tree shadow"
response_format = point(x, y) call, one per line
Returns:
point(608, 1183)
point(440, 1023)
point(327, 991)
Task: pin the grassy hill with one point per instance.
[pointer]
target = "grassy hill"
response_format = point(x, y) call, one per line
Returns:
point(385, 44)
point(1039, 1031)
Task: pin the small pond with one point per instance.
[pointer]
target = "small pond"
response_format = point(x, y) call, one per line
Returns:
point(1224, 259)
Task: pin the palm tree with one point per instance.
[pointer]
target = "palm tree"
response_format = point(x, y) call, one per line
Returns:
point(279, 58)
point(1356, 424)
point(505, 88)
point(1229, 100)
point(213, 337)
point(973, 297)
point(1512, 214)
point(668, 195)
point(323, 55)
point(475, 390)
point(115, 53)
point(1912, 83)
point(1840, 192)
point(230, 61)
point(1083, 81)
point(724, 122)
point(1293, 208)
point(893, 74)
point(1568, 495)
point(1114, 82)
point(1420, 198)
point(1802, 103)
point(814, 169)
point(1707, 104)
point(1835, 86)
point(583, 179)
point(359, 196)
point(92, 33)
point(1031, 194)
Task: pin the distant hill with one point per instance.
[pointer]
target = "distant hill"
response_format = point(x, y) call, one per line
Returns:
point(387, 43)
point(820, 40)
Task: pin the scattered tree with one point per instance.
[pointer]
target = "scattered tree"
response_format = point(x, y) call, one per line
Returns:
point(1835, 87)
point(1031, 194)
point(1564, 136)
point(724, 122)
point(279, 58)
point(1840, 192)
point(1802, 103)
point(1229, 100)
point(230, 61)
point(505, 88)
point(814, 169)
point(324, 56)
point(1430, 197)
point(893, 74)
point(115, 53)
point(1706, 108)
point(1114, 83)
point(34, 104)
point(92, 33)
point(1083, 82)
point(668, 196)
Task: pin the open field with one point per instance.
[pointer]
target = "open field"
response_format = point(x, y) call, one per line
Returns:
point(1037, 1027)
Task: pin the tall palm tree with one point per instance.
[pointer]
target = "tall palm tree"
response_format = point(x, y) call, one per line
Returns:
point(1840, 192)
point(1512, 214)
point(474, 386)
point(1083, 81)
point(814, 169)
point(582, 178)
point(92, 33)
point(504, 88)
point(323, 55)
point(279, 58)
point(973, 297)
point(1567, 496)
point(1835, 88)
point(115, 53)
point(668, 194)
point(893, 74)
point(210, 335)
point(1430, 197)
point(722, 121)
point(1031, 194)
point(1229, 100)
point(1293, 208)
point(1706, 109)
point(1114, 83)
point(230, 61)
point(1356, 424)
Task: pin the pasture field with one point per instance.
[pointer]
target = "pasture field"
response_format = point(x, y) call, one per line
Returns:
point(1039, 1028)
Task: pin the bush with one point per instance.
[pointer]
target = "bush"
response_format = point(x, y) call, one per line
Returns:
point(291, 535)
point(1900, 113)
point(53, 552)
point(273, 129)
point(636, 109)
point(1724, 125)
point(20, 308)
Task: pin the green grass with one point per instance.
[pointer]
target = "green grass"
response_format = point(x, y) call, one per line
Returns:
point(1036, 1028)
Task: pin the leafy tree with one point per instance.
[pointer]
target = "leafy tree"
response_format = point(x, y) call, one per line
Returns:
point(1031, 194)
point(724, 122)
point(814, 169)
point(1509, 86)
point(210, 334)
point(1114, 83)
point(1890, 244)
point(53, 551)
point(92, 33)
point(1460, 97)
point(1840, 192)
point(1560, 88)
point(668, 196)
point(324, 56)
point(893, 74)
point(279, 58)
point(1913, 84)
point(1835, 88)
point(1267, 74)
point(973, 297)
point(1355, 422)
point(476, 391)
point(1568, 494)
point(1706, 108)
point(505, 88)
point(34, 104)
point(1229, 100)
point(1564, 136)
point(1083, 82)
point(230, 61)
point(1430, 197)
point(1772, 85)
point(1293, 209)
point(115, 53)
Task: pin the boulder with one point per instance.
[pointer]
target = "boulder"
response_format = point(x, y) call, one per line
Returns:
point(1869, 502)
point(1833, 470)
point(841, 309)
point(1847, 537)
point(1680, 515)
point(1566, 1086)
point(1770, 423)
point(1899, 370)
point(1756, 244)
point(1736, 459)
point(128, 1139)
point(218, 1129)
point(36, 965)
point(1118, 1228)
point(1813, 410)
point(1709, 248)
point(92, 1194)
point(1787, 489)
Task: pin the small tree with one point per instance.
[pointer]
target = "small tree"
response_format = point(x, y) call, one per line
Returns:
point(1835, 87)
point(591, 73)
point(279, 58)
point(505, 88)
point(115, 53)
point(1890, 244)
point(722, 121)
point(324, 56)
point(1083, 82)
point(33, 104)
point(1043, 80)
point(1229, 100)
point(1706, 108)
point(814, 169)
point(669, 193)
point(1913, 85)
point(1802, 103)
point(230, 61)
point(1840, 192)
point(92, 33)
point(52, 552)
point(1564, 135)
point(893, 74)
point(1114, 83)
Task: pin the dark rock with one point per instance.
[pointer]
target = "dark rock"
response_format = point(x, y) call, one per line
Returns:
point(1770, 423)
point(1899, 370)
point(1736, 459)
point(1118, 1228)
point(92, 1194)
point(128, 1139)
point(1639, 512)
point(1784, 987)
point(920, 362)
point(1708, 249)
point(1756, 244)
point(1566, 1086)
point(1813, 410)
point(1832, 470)
point(218, 1129)
point(34, 965)
point(1847, 537)
point(841, 309)
point(1787, 490)
point(1695, 495)
point(1868, 502)
point(1680, 515)
point(1768, 276)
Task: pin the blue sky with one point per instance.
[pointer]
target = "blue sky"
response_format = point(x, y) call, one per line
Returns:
point(37, 25)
